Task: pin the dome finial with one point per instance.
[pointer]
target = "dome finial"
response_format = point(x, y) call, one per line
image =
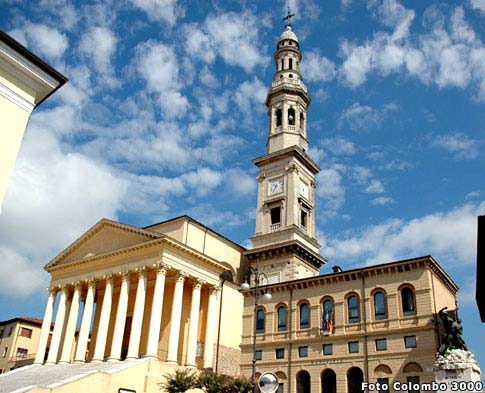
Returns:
point(288, 17)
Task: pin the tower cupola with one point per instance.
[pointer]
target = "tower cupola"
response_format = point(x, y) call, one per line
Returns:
point(287, 99)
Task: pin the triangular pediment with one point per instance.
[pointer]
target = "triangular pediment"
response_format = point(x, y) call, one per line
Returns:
point(106, 236)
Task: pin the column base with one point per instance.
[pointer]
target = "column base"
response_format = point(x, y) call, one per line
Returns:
point(113, 360)
point(97, 360)
point(63, 362)
point(77, 361)
point(50, 364)
point(174, 362)
point(131, 358)
point(190, 366)
point(152, 357)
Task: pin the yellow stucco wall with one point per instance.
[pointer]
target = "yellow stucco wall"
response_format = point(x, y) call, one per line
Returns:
point(13, 122)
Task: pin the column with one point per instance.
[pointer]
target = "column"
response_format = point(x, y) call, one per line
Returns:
point(136, 324)
point(71, 325)
point(104, 321)
point(156, 313)
point(56, 334)
point(210, 329)
point(120, 318)
point(173, 340)
point(193, 324)
point(82, 339)
point(46, 327)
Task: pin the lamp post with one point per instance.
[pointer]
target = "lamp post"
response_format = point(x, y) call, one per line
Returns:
point(267, 296)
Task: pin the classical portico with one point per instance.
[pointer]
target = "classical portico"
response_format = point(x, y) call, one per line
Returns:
point(141, 292)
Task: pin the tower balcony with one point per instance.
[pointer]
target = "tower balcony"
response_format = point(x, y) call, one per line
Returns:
point(289, 81)
point(275, 227)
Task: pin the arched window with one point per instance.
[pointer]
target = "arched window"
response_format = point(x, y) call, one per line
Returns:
point(291, 117)
point(282, 65)
point(291, 64)
point(380, 305)
point(407, 300)
point(355, 377)
point(329, 381)
point(260, 321)
point(304, 316)
point(327, 309)
point(302, 120)
point(279, 117)
point(303, 382)
point(353, 307)
point(281, 318)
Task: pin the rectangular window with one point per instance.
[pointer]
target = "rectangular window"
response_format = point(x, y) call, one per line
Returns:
point(5, 350)
point(410, 341)
point(303, 218)
point(1, 333)
point(10, 331)
point(413, 382)
point(258, 355)
point(303, 352)
point(1, 371)
point(381, 344)
point(353, 347)
point(327, 349)
point(384, 385)
point(21, 352)
point(280, 353)
point(275, 215)
point(281, 388)
point(24, 332)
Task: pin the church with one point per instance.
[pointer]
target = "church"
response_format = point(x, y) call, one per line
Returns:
point(147, 300)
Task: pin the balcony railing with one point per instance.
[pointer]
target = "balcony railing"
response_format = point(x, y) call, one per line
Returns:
point(274, 227)
point(289, 81)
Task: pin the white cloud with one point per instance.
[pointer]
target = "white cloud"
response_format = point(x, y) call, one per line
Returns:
point(99, 44)
point(42, 39)
point(375, 187)
point(339, 146)
point(316, 68)
point(459, 144)
point(250, 97)
point(382, 201)
point(203, 180)
point(52, 197)
point(159, 66)
point(446, 54)
point(449, 236)
point(330, 189)
point(161, 10)
point(478, 5)
point(234, 37)
point(364, 117)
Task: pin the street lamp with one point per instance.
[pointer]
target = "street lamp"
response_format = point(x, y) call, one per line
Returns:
point(267, 296)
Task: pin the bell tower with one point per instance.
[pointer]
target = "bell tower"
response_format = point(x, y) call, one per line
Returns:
point(284, 241)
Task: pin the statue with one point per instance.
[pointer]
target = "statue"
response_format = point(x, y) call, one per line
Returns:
point(453, 332)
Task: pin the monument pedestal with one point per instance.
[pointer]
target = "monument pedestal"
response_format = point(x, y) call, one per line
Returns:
point(458, 370)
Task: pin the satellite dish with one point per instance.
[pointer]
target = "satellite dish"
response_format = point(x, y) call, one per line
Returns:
point(268, 383)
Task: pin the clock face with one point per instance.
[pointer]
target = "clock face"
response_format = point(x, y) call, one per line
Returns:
point(275, 186)
point(304, 189)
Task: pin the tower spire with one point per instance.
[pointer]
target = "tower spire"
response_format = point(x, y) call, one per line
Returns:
point(288, 17)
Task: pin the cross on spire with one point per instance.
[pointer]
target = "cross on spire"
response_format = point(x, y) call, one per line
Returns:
point(288, 17)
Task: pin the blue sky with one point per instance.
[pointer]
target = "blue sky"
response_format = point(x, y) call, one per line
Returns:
point(164, 111)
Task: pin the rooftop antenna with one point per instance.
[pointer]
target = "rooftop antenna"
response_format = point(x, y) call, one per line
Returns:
point(288, 17)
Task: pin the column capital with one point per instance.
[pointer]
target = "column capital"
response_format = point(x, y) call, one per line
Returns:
point(214, 289)
point(109, 278)
point(142, 271)
point(52, 291)
point(161, 267)
point(125, 275)
point(65, 289)
point(78, 285)
point(197, 283)
point(91, 282)
point(181, 276)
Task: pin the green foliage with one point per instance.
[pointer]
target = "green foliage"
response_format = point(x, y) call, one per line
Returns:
point(208, 381)
point(182, 380)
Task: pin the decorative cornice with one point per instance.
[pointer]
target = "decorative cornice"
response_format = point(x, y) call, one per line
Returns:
point(16, 98)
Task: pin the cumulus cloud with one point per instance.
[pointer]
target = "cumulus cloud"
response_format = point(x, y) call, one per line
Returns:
point(99, 44)
point(159, 66)
point(382, 201)
point(461, 146)
point(375, 187)
point(52, 197)
point(40, 38)
point(450, 56)
point(317, 68)
point(450, 236)
point(364, 117)
point(232, 36)
point(339, 146)
point(478, 5)
point(330, 189)
point(250, 96)
point(167, 11)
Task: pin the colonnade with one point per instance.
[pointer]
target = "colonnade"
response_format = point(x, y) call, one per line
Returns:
point(63, 335)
